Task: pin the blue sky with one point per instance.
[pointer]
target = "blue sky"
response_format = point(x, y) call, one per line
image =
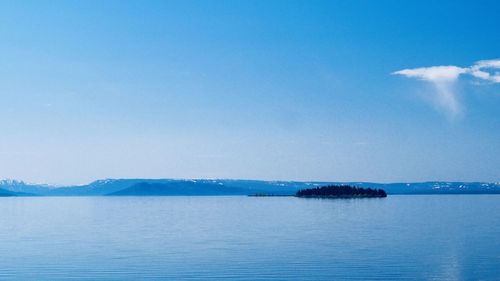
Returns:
point(288, 90)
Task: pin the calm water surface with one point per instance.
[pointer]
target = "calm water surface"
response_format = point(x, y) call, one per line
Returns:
point(250, 238)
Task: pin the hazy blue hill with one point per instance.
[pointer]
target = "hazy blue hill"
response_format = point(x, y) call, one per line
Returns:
point(21, 187)
point(109, 186)
point(6, 193)
point(435, 187)
point(99, 187)
point(271, 187)
point(179, 188)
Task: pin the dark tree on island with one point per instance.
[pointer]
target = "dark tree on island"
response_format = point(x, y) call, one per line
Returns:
point(341, 191)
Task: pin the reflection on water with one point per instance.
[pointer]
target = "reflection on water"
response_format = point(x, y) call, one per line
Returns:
point(250, 238)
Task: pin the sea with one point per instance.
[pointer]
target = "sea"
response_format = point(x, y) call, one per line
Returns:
point(401, 237)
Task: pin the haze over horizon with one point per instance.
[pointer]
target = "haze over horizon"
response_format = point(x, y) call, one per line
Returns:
point(270, 90)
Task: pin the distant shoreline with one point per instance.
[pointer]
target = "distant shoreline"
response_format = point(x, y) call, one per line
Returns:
point(231, 187)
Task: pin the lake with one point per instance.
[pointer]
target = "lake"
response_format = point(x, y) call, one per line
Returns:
point(439, 237)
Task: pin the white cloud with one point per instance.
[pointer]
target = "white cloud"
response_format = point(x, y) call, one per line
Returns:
point(434, 73)
point(489, 63)
point(481, 68)
point(444, 78)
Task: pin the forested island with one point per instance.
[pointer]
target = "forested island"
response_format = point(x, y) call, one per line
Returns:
point(341, 191)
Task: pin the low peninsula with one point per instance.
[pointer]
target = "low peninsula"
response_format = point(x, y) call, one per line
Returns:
point(341, 191)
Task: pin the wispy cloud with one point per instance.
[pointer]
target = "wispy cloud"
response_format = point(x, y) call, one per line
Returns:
point(441, 74)
point(487, 70)
point(444, 78)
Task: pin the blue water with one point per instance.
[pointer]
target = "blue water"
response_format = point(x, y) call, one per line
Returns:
point(250, 238)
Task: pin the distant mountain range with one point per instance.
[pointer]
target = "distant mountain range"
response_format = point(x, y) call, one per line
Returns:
point(206, 187)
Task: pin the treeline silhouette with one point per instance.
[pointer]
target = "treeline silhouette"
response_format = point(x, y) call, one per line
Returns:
point(341, 191)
